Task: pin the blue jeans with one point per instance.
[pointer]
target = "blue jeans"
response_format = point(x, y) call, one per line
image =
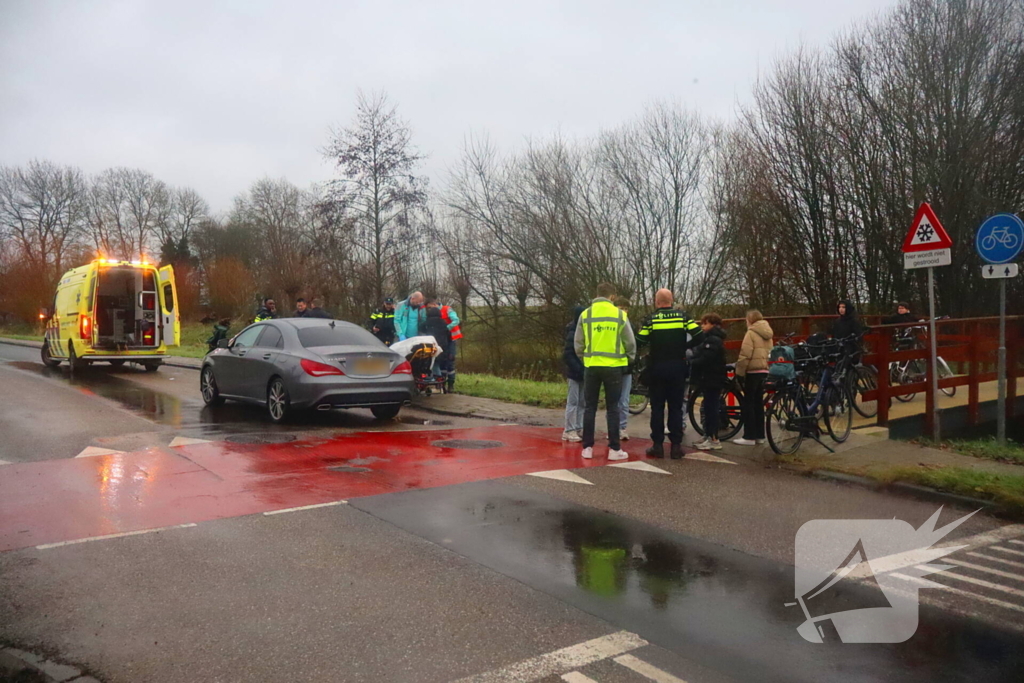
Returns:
point(627, 384)
point(574, 405)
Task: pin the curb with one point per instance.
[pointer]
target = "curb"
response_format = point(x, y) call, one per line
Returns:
point(173, 361)
point(527, 422)
point(915, 490)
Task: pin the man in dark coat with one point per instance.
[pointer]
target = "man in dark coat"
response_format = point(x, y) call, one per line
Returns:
point(437, 328)
point(315, 310)
point(574, 403)
point(707, 368)
point(903, 315)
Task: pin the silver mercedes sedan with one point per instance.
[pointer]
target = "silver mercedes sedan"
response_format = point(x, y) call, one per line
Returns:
point(303, 363)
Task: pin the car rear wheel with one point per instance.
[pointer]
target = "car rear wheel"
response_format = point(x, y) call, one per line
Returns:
point(152, 367)
point(386, 412)
point(278, 401)
point(208, 388)
point(75, 362)
point(117, 363)
point(48, 360)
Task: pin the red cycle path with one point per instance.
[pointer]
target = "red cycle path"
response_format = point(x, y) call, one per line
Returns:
point(65, 500)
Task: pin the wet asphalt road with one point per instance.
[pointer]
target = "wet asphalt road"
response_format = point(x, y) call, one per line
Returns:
point(444, 583)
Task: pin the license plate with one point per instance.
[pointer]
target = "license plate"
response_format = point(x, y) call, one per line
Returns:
point(370, 366)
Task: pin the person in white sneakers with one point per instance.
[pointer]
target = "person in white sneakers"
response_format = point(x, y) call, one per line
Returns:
point(752, 370)
point(623, 304)
point(707, 363)
point(605, 342)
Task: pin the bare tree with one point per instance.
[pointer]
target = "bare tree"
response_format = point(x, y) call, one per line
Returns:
point(377, 185)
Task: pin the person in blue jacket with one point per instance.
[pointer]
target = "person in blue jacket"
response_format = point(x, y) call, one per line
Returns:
point(410, 316)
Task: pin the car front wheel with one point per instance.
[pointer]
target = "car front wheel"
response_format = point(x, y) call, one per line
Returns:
point(278, 401)
point(208, 388)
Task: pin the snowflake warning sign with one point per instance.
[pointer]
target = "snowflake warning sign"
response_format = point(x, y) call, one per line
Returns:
point(926, 233)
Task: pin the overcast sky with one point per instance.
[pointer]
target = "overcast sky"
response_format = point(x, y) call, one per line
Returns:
point(215, 95)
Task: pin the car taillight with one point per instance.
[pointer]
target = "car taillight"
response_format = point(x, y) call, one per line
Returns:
point(85, 327)
point(316, 369)
point(148, 301)
point(402, 368)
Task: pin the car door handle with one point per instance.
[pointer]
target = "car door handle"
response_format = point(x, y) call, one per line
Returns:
point(241, 353)
point(267, 356)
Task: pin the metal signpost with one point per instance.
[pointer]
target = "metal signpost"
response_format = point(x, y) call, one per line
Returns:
point(927, 245)
point(999, 241)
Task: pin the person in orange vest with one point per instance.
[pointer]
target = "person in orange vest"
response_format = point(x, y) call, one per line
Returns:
point(451, 320)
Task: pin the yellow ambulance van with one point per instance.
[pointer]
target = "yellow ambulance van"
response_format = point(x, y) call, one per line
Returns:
point(113, 311)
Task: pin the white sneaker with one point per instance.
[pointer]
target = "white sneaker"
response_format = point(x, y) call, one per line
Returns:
point(744, 442)
point(760, 442)
point(618, 455)
point(707, 445)
point(567, 434)
point(623, 436)
point(588, 453)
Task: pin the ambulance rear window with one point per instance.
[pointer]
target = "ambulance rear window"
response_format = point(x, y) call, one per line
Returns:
point(148, 281)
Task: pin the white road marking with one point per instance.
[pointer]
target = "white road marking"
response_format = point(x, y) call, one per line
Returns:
point(47, 546)
point(307, 507)
point(1016, 541)
point(646, 670)
point(984, 584)
point(707, 457)
point(4, 462)
point(957, 591)
point(640, 466)
point(561, 475)
point(993, 558)
point(981, 568)
point(564, 660)
point(577, 677)
point(185, 441)
point(1006, 550)
point(92, 451)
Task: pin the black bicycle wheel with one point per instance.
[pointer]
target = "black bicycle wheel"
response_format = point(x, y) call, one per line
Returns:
point(638, 403)
point(860, 380)
point(838, 413)
point(730, 413)
point(784, 436)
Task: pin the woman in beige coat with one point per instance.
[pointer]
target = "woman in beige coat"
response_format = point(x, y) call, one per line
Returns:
point(752, 368)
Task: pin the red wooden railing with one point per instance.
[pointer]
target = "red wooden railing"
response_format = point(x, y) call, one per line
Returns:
point(968, 345)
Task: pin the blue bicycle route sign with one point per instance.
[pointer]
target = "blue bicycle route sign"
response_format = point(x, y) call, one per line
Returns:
point(1000, 238)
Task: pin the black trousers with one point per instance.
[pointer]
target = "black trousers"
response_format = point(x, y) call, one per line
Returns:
point(753, 405)
point(667, 385)
point(593, 379)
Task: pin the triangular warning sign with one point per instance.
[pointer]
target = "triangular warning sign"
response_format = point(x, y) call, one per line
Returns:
point(926, 232)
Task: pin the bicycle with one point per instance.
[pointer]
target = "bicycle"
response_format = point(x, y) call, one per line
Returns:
point(792, 415)
point(1001, 236)
point(915, 371)
point(730, 413)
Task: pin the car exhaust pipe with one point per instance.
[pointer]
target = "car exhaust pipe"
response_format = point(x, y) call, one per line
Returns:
point(324, 406)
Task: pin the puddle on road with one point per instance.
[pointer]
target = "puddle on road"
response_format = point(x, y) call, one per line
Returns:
point(717, 606)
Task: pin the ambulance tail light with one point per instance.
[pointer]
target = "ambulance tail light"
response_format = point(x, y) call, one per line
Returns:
point(85, 327)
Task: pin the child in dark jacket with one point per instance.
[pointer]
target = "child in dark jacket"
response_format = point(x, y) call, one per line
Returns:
point(437, 328)
point(707, 365)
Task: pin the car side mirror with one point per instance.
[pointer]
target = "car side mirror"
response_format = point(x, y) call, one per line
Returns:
point(222, 344)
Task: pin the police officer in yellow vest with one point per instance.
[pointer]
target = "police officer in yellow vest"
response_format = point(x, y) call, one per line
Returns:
point(604, 340)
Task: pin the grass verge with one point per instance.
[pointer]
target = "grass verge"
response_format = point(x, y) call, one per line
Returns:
point(1005, 490)
point(986, 449)
point(193, 339)
point(524, 391)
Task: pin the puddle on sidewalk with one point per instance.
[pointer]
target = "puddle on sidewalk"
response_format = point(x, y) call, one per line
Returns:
point(720, 607)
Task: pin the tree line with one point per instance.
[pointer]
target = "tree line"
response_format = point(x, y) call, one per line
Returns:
point(802, 200)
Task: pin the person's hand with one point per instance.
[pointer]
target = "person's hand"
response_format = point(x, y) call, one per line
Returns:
point(376, 329)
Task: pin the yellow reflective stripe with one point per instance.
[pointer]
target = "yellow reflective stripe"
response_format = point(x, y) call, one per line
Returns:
point(668, 325)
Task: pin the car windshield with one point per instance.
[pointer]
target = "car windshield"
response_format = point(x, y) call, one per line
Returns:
point(339, 335)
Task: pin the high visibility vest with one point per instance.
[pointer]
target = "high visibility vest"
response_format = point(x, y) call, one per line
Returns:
point(602, 343)
point(446, 316)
